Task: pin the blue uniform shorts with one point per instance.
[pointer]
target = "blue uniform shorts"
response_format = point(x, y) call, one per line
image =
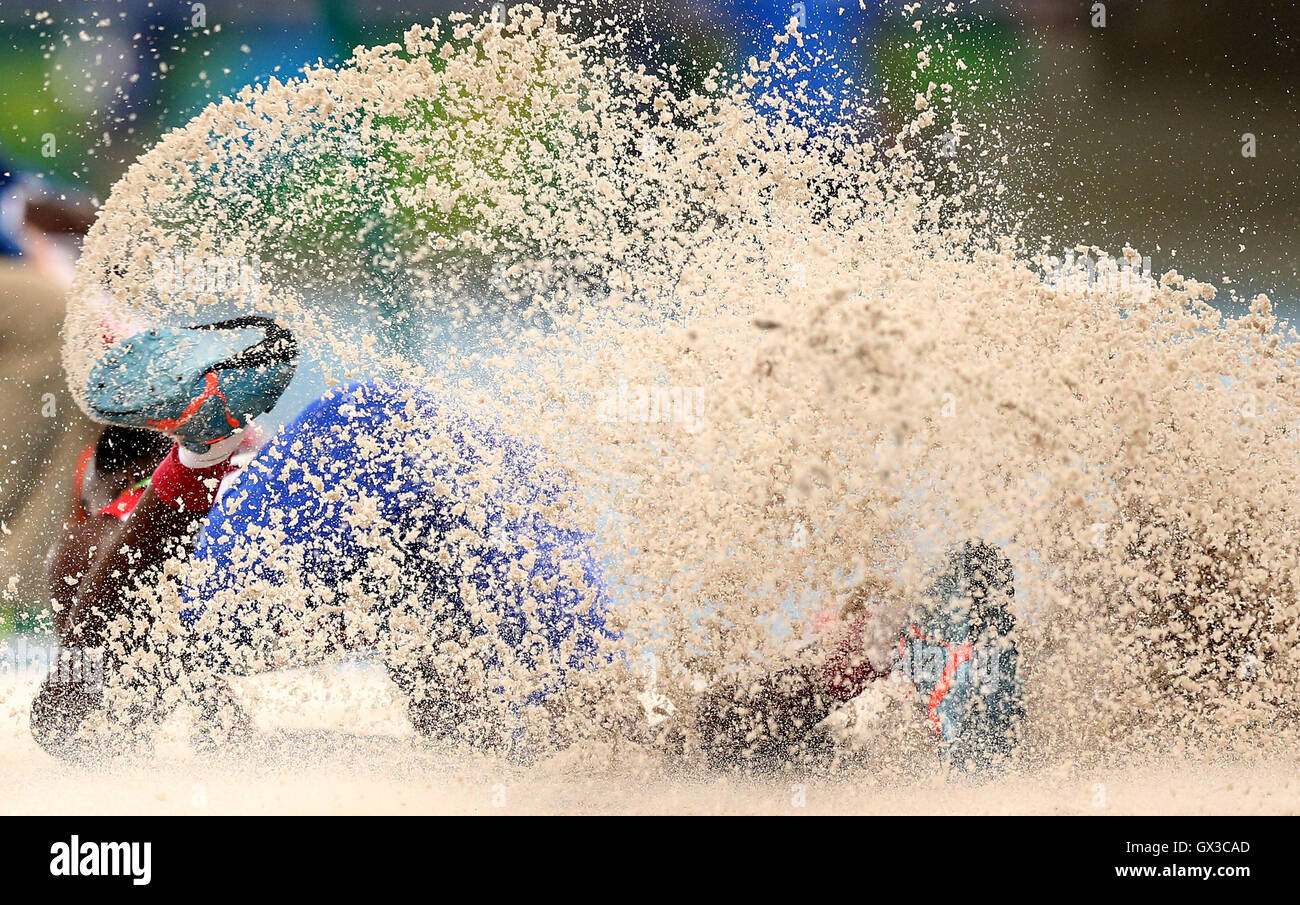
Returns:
point(384, 490)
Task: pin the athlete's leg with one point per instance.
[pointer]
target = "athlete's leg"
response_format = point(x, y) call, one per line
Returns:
point(957, 646)
point(199, 385)
point(960, 652)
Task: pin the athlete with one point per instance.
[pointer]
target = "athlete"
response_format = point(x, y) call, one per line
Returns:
point(451, 535)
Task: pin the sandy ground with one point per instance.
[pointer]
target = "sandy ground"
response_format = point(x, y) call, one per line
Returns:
point(309, 763)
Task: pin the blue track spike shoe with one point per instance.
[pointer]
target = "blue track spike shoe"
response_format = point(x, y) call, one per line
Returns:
point(961, 655)
point(200, 384)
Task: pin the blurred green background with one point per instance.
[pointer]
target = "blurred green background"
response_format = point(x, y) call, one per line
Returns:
point(1127, 131)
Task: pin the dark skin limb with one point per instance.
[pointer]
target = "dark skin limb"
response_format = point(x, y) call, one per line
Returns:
point(104, 557)
point(91, 570)
point(99, 559)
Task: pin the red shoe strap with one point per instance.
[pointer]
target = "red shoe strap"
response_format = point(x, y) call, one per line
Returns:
point(188, 489)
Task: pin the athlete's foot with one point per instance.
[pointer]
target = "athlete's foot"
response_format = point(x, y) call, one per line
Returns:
point(769, 724)
point(960, 653)
point(199, 384)
point(222, 722)
point(448, 708)
point(58, 712)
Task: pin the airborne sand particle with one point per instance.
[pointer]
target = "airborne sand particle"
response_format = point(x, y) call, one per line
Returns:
point(878, 373)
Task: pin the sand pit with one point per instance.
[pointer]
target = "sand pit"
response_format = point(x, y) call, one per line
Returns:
point(336, 742)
